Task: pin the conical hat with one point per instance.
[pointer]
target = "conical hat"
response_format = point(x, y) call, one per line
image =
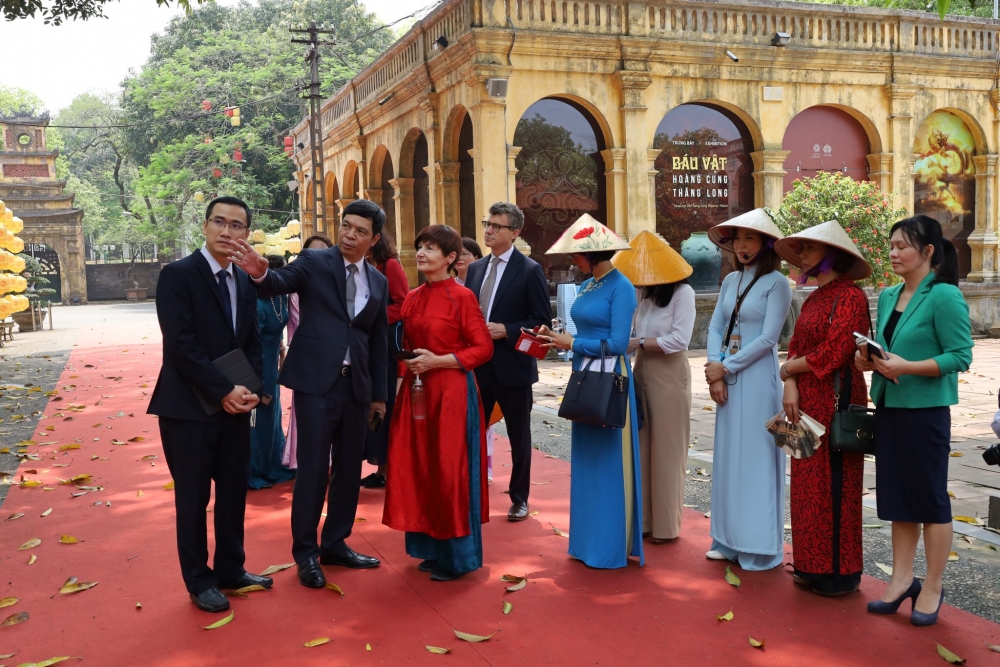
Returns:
point(587, 235)
point(758, 220)
point(651, 261)
point(828, 233)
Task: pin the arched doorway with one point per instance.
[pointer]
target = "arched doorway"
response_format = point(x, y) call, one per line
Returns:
point(421, 184)
point(704, 173)
point(560, 176)
point(467, 180)
point(824, 138)
point(332, 210)
point(944, 179)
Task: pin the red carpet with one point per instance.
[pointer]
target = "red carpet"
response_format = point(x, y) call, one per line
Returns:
point(568, 614)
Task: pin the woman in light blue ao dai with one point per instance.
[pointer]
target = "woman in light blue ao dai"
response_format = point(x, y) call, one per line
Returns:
point(748, 470)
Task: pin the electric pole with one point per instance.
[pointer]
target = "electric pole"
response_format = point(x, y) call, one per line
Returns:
point(315, 119)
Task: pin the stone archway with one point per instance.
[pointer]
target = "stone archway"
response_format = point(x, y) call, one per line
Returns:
point(456, 174)
point(825, 138)
point(412, 198)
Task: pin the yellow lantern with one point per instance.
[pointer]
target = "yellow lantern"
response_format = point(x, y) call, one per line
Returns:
point(8, 218)
point(7, 261)
point(18, 284)
point(15, 244)
point(3, 207)
point(199, 196)
point(19, 302)
point(293, 246)
point(15, 224)
point(6, 284)
point(259, 248)
point(5, 309)
point(283, 233)
point(294, 227)
point(4, 236)
point(16, 264)
point(258, 236)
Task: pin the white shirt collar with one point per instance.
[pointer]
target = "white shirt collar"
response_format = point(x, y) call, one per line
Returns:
point(506, 256)
point(214, 263)
point(360, 264)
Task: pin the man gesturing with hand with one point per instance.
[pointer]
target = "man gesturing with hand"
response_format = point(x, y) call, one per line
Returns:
point(207, 308)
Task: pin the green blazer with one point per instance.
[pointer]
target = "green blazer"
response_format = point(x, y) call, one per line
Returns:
point(935, 325)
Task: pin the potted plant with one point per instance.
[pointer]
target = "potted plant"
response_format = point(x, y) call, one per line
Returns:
point(37, 292)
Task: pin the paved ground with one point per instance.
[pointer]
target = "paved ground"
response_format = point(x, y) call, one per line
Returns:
point(36, 360)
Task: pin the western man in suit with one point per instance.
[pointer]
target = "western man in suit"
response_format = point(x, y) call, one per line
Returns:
point(337, 367)
point(513, 293)
point(207, 308)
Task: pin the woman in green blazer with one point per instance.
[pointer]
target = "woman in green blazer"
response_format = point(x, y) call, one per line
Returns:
point(923, 324)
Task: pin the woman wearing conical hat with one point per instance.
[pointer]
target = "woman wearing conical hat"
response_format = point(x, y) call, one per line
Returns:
point(605, 512)
point(827, 486)
point(662, 327)
point(748, 471)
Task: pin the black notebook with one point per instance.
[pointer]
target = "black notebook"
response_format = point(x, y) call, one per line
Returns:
point(237, 369)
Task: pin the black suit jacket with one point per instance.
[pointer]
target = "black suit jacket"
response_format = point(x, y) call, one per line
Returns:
point(521, 300)
point(325, 330)
point(196, 330)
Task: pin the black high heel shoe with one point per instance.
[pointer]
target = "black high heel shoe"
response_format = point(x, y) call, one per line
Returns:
point(920, 618)
point(879, 607)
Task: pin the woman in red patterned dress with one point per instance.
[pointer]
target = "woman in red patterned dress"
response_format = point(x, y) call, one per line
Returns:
point(827, 486)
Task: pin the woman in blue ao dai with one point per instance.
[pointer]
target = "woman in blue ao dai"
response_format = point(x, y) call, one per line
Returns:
point(748, 470)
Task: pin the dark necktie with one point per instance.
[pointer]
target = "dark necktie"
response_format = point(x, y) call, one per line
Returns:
point(486, 292)
point(227, 305)
point(352, 289)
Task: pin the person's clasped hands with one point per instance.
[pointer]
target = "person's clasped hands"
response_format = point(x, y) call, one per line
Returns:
point(240, 400)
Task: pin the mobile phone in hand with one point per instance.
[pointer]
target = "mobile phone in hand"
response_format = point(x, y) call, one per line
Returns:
point(375, 422)
point(404, 355)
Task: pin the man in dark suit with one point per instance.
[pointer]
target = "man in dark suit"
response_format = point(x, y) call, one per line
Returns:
point(337, 367)
point(513, 293)
point(207, 308)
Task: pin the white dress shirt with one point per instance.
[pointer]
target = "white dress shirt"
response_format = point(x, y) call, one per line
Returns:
point(501, 265)
point(360, 295)
point(671, 326)
point(230, 281)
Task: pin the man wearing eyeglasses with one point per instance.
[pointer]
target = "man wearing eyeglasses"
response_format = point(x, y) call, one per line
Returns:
point(512, 294)
point(207, 308)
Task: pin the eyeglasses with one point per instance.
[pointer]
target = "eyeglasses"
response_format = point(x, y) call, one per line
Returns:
point(494, 226)
point(466, 253)
point(235, 227)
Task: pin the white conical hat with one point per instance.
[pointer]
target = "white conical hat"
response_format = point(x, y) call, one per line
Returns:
point(758, 220)
point(828, 233)
point(587, 235)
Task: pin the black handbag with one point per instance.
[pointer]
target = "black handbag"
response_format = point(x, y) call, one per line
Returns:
point(853, 427)
point(599, 398)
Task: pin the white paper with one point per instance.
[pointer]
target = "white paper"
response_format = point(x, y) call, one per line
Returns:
point(524, 345)
point(595, 364)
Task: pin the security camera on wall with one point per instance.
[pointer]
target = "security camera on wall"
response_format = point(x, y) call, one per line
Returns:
point(496, 87)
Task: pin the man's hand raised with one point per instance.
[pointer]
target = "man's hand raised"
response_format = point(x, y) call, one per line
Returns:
point(245, 257)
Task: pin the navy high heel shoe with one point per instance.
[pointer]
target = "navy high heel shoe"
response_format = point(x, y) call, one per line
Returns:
point(879, 607)
point(920, 618)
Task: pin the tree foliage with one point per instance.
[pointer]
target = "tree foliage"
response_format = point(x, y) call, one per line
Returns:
point(56, 11)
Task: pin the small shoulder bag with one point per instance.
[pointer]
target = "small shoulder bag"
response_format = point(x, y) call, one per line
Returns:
point(853, 427)
point(599, 398)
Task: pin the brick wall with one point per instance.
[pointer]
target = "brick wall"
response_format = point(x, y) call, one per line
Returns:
point(107, 281)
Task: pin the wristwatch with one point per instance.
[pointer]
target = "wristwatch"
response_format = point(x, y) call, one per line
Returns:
point(642, 344)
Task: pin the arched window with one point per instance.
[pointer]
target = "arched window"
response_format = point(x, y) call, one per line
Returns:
point(825, 138)
point(560, 176)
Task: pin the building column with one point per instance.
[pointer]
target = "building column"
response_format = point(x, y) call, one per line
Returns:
point(616, 186)
point(983, 240)
point(639, 200)
point(769, 178)
point(901, 142)
point(72, 268)
point(360, 142)
point(490, 157)
point(449, 193)
point(880, 170)
point(405, 231)
point(512, 153)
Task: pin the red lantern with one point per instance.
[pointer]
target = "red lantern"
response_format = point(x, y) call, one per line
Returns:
point(208, 138)
point(206, 105)
point(217, 172)
point(238, 155)
point(289, 148)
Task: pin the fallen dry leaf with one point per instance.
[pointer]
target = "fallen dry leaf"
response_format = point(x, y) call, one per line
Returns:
point(137, 438)
point(472, 638)
point(76, 587)
point(47, 512)
point(507, 607)
point(335, 588)
point(30, 483)
point(31, 561)
point(728, 616)
point(732, 579)
point(66, 448)
point(138, 605)
point(7, 602)
point(219, 624)
point(14, 619)
point(319, 641)
point(49, 661)
point(16, 515)
point(518, 585)
point(249, 589)
point(949, 656)
point(169, 486)
point(138, 494)
point(993, 647)
point(755, 643)
point(885, 568)
point(276, 568)
point(437, 650)
point(148, 457)
point(30, 544)
point(368, 647)
point(68, 539)
point(359, 519)
point(560, 533)
point(956, 454)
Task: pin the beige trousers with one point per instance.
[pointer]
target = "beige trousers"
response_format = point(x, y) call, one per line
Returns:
point(663, 386)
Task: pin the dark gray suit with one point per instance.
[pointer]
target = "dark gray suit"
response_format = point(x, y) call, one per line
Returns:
point(331, 407)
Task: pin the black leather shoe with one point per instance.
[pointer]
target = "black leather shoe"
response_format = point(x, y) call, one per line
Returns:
point(443, 575)
point(373, 481)
point(427, 565)
point(517, 512)
point(310, 574)
point(211, 600)
point(350, 558)
point(247, 580)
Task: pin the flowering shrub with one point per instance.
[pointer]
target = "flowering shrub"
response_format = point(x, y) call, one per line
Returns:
point(865, 212)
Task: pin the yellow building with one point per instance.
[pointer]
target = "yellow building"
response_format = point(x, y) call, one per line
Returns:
point(668, 116)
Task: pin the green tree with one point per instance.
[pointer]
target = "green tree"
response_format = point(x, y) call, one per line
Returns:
point(18, 101)
point(57, 11)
